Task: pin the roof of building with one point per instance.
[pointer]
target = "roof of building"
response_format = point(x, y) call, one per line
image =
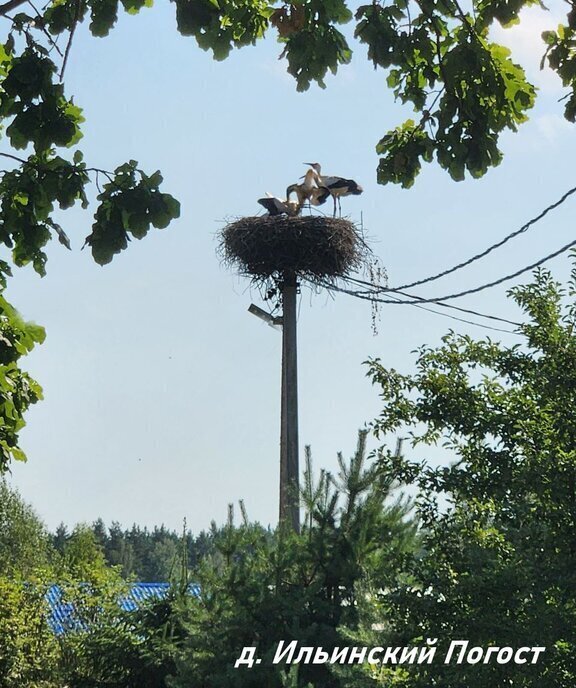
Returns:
point(63, 616)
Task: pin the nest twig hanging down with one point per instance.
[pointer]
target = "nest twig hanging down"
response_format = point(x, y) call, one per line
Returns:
point(313, 248)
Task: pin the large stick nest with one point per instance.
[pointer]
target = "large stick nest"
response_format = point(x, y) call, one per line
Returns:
point(313, 247)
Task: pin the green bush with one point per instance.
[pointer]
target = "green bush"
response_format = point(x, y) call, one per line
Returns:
point(28, 649)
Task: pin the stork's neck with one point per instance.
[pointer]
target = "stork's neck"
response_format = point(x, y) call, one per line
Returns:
point(309, 178)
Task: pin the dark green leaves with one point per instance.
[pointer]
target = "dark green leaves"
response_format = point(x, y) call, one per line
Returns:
point(311, 53)
point(313, 44)
point(467, 89)
point(404, 147)
point(17, 390)
point(28, 197)
point(498, 510)
point(30, 76)
point(35, 113)
point(41, 113)
point(220, 25)
point(504, 11)
point(104, 14)
point(561, 57)
point(62, 15)
point(128, 206)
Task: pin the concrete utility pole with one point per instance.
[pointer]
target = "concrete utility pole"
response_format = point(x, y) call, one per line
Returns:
point(289, 469)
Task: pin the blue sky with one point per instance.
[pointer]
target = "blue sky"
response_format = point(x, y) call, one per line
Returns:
point(161, 391)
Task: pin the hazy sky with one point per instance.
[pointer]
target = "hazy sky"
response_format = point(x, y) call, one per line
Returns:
point(161, 391)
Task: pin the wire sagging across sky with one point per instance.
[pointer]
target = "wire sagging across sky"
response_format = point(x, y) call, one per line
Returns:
point(366, 297)
point(473, 290)
point(478, 256)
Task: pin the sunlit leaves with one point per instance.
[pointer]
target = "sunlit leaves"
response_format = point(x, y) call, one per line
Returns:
point(220, 25)
point(498, 511)
point(467, 89)
point(129, 204)
point(17, 389)
point(28, 196)
point(41, 113)
point(561, 55)
point(311, 53)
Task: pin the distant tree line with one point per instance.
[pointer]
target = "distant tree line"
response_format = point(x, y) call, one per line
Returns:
point(141, 554)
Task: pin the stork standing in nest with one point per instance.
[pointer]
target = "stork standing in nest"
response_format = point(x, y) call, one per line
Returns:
point(309, 190)
point(336, 186)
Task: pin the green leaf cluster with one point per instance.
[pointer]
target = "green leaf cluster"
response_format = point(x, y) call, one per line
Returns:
point(317, 46)
point(128, 206)
point(498, 567)
point(561, 57)
point(28, 648)
point(35, 113)
point(467, 89)
point(29, 195)
point(24, 542)
point(220, 25)
point(41, 115)
point(18, 391)
point(64, 15)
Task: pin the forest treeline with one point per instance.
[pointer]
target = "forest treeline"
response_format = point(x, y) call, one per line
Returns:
point(142, 554)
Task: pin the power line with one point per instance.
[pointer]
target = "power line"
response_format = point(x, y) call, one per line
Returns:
point(473, 290)
point(467, 310)
point(431, 310)
point(476, 257)
point(369, 296)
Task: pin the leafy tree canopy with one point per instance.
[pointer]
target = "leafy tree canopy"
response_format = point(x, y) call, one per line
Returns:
point(500, 558)
point(439, 58)
point(24, 541)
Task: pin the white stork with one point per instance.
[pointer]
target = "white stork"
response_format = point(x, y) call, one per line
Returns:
point(276, 206)
point(337, 186)
point(309, 190)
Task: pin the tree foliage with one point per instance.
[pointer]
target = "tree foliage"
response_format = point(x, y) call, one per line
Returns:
point(499, 565)
point(261, 587)
point(142, 554)
point(18, 391)
point(438, 56)
point(24, 541)
point(28, 648)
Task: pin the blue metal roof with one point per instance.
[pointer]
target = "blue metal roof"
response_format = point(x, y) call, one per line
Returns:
point(62, 615)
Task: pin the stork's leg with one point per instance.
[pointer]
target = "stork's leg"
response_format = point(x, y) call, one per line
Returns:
point(334, 197)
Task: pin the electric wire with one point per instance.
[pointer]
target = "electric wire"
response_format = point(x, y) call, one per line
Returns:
point(478, 256)
point(473, 290)
point(368, 295)
point(333, 287)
